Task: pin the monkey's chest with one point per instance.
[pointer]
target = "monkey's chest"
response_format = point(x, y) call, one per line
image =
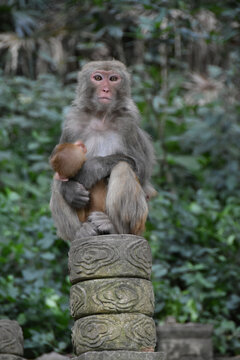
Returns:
point(103, 144)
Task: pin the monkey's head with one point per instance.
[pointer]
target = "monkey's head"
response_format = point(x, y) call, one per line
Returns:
point(67, 159)
point(103, 85)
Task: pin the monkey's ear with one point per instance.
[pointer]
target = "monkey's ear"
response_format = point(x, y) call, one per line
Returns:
point(59, 177)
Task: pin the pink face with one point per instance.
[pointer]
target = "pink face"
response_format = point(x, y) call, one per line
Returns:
point(106, 83)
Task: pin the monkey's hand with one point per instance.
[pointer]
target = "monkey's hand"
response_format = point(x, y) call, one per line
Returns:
point(87, 229)
point(102, 223)
point(97, 168)
point(75, 194)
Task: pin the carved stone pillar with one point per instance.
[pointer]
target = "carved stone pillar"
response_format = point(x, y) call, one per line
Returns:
point(11, 340)
point(112, 298)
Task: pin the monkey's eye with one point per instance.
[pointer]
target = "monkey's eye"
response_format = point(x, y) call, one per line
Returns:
point(98, 77)
point(113, 78)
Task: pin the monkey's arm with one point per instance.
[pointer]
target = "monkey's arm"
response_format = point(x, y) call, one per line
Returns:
point(139, 147)
point(74, 193)
point(65, 217)
point(97, 168)
point(92, 171)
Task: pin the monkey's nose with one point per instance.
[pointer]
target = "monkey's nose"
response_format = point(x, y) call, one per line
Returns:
point(106, 90)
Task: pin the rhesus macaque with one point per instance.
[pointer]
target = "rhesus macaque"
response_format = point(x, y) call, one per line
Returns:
point(106, 119)
point(66, 160)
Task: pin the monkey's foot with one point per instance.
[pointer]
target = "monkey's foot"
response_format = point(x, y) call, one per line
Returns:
point(87, 229)
point(101, 222)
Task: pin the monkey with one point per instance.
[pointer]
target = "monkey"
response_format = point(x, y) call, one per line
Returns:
point(104, 116)
point(68, 158)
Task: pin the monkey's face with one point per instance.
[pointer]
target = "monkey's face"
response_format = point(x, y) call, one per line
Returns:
point(103, 86)
point(106, 84)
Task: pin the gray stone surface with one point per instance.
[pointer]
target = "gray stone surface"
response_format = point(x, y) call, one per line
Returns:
point(120, 355)
point(110, 256)
point(53, 356)
point(228, 358)
point(11, 337)
point(105, 296)
point(185, 341)
point(10, 357)
point(132, 332)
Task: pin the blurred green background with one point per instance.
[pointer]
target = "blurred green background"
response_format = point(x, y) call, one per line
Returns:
point(184, 57)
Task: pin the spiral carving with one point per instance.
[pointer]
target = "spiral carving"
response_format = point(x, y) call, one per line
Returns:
point(139, 255)
point(89, 257)
point(114, 332)
point(110, 256)
point(142, 331)
point(102, 296)
point(111, 298)
point(78, 300)
point(118, 295)
point(11, 337)
point(93, 332)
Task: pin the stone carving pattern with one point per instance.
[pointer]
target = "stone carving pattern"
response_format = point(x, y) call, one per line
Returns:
point(102, 332)
point(112, 295)
point(89, 257)
point(107, 258)
point(93, 332)
point(11, 337)
point(10, 357)
point(78, 300)
point(138, 254)
point(141, 331)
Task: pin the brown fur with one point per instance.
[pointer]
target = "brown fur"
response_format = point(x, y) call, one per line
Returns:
point(66, 160)
point(106, 119)
point(98, 195)
point(127, 209)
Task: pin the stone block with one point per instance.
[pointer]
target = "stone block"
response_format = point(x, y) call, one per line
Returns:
point(120, 355)
point(132, 332)
point(227, 358)
point(11, 337)
point(52, 356)
point(185, 341)
point(105, 296)
point(110, 256)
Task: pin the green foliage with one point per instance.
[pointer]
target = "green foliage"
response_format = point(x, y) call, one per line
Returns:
point(34, 288)
point(194, 221)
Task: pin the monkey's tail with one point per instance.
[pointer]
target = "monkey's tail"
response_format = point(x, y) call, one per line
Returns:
point(126, 203)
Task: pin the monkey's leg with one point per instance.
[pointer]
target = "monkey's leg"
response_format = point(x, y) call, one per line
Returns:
point(65, 218)
point(126, 203)
point(97, 209)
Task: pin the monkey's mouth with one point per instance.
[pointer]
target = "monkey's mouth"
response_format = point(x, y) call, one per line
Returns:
point(104, 99)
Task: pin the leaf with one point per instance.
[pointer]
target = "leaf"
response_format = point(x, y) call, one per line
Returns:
point(188, 162)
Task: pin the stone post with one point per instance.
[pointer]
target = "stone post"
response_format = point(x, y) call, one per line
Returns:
point(112, 298)
point(11, 340)
point(185, 341)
